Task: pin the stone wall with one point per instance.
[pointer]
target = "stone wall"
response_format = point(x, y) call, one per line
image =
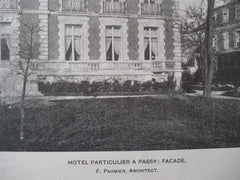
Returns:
point(231, 26)
point(53, 37)
point(133, 39)
point(94, 37)
point(11, 84)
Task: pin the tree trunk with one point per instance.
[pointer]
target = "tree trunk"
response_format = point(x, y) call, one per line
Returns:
point(22, 123)
point(23, 108)
point(209, 61)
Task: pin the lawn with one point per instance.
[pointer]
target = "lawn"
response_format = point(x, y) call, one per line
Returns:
point(124, 124)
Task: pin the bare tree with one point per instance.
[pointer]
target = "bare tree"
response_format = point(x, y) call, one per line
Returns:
point(198, 35)
point(209, 57)
point(28, 52)
point(193, 34)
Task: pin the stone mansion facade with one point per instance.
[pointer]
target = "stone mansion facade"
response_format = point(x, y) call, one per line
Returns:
point(97, 39)
point(227, 35)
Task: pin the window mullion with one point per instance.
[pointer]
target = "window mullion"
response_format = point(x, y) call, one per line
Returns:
point(113, 55)
point(121, 40)
point(0, 45)
point(73, 55)
point(150, 43)
point(72, 5)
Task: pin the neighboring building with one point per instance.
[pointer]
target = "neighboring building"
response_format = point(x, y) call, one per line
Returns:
point(97, 39)
point(226, 41)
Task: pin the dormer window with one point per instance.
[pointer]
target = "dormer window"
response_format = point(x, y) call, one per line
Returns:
point(225, 15)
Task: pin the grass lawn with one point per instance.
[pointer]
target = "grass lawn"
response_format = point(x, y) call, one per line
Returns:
point(124, 124)
point(232, 94)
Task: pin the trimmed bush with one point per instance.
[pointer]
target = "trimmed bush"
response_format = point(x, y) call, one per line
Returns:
point(104, 87)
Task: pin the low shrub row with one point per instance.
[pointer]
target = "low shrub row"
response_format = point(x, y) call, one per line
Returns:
point(87, 88)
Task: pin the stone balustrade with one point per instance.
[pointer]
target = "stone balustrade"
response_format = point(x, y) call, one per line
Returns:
point(78, 67)
point(114, 7)
point(151, 9)
point(95, 66)
point(8, 4)
point(74, 5)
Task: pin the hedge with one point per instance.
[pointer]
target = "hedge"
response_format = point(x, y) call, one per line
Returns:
point(117, 87)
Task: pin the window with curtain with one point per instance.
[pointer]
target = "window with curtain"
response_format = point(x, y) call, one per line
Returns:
point(225, 40)
point(225, 15)
point(237, 39)
point(5, 47)
point(5, 41)
point(215, 42)
point(113, 43)
point(150, 43)
point(237, 12)
point(215, 17)
point(73, 45)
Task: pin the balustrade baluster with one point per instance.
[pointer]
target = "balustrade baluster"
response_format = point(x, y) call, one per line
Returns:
point(8, 4)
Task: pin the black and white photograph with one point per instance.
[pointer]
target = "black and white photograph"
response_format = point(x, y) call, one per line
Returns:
point(119, 75)
point(119, 89)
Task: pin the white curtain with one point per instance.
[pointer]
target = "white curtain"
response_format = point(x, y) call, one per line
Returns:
point(154, 48)
point(8, 40)
point(5, 48)
point(146, 45)
point(117, 48)
point(108, 44)
point(77, 48)
point(68, 50)
point(237, 38)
